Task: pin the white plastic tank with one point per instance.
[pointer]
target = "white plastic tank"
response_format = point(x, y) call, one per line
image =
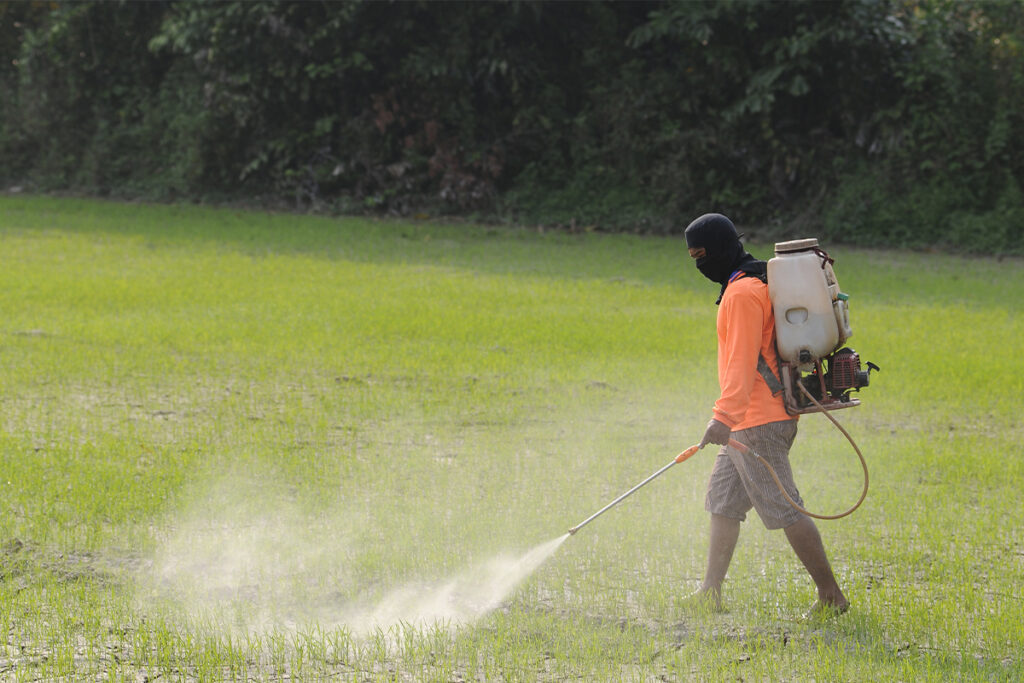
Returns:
point(811, 314)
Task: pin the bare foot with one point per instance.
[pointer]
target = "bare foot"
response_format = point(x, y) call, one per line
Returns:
point(824, 608)
point(702, 600)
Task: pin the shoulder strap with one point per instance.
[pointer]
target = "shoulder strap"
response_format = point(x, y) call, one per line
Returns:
point(770, 378)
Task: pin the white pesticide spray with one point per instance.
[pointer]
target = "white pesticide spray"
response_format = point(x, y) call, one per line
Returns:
point(248, 573)
point(458, 601)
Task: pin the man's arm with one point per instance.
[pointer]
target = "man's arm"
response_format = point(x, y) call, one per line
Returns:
point(739, 344)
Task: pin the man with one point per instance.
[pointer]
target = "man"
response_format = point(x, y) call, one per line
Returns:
point(748, 412)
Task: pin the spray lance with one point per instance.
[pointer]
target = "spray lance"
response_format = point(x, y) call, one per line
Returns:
point(816, 372)
point(747, 451)
point(679, 458)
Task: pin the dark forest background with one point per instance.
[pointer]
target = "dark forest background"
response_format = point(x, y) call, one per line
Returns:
point(887, 122)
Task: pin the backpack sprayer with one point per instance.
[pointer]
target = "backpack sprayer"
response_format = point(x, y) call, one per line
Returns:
point(816, 372)
point(812, 321)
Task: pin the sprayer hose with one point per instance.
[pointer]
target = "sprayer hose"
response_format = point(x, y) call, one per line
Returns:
point(775, 476)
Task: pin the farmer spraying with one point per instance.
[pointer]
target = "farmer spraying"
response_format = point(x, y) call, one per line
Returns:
point(782, 326)
point(748, 412)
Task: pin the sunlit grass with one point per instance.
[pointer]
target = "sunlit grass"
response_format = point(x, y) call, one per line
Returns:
point(304, 414)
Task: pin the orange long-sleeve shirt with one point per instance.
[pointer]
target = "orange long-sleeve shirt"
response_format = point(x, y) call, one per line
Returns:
point(746, 328)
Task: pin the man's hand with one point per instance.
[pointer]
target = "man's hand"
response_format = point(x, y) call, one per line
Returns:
point(717, 433)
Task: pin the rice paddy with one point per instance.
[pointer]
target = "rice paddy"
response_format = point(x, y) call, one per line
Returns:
point(244, 446)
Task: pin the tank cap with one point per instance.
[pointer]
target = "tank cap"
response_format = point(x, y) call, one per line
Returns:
point(796, 245)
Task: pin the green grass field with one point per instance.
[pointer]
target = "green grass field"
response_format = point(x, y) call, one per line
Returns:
point(243, 446)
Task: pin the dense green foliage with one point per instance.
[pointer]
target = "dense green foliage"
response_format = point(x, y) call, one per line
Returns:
point(892, 121)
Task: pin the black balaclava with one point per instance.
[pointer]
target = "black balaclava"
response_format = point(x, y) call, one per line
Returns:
point(724, 254)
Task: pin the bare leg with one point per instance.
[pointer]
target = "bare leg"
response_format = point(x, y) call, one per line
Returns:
point(725, 531)
point(806, 542)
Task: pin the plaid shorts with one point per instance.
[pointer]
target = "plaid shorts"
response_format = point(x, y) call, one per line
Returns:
point(739, 482)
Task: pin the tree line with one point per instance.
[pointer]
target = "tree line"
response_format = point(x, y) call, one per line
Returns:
point(889, 122)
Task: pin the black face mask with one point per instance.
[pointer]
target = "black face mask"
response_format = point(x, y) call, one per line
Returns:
point(721, 243)
point(715, 269)
point(723, 252)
